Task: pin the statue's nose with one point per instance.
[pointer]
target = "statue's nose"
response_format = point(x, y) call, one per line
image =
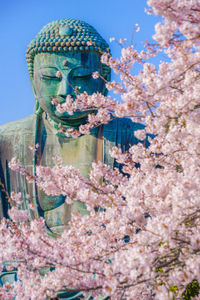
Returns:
point(66, 87)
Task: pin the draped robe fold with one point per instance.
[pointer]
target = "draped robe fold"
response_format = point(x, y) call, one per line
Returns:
point(16, 137)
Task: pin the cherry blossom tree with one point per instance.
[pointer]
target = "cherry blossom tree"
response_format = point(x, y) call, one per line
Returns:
point(141, 239)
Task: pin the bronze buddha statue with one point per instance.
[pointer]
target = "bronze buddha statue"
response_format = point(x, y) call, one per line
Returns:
point(73, 48)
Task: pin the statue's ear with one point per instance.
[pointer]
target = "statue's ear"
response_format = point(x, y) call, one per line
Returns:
point(33, 87)
point(38, 110)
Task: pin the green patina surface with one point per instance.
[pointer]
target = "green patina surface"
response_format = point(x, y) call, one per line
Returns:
point(60, 46)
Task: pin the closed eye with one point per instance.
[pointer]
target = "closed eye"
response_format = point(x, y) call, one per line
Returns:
point(50, 77)
point(86, 76)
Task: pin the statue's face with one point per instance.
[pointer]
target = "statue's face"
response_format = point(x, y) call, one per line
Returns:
point(75, 69)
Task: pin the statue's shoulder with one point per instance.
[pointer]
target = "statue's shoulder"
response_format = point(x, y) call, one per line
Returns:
point(123, 124)
point(121, 131)
point(18, 127)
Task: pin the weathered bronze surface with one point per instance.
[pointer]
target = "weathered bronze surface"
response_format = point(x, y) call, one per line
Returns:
point(60, 46)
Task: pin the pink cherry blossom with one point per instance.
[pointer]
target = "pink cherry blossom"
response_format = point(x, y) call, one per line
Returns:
point(140, 237)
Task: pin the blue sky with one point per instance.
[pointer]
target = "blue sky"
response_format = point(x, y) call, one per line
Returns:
point(21, 20)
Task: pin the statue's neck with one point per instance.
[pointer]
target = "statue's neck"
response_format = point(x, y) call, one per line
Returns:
point(58, 123)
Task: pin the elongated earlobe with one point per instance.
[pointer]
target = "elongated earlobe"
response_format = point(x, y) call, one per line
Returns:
point(33, 86)
point(38, 110)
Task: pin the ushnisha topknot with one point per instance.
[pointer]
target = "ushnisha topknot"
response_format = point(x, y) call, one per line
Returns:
point(63, 36)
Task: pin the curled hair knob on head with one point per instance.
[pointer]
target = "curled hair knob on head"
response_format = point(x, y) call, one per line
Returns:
point(67, 35)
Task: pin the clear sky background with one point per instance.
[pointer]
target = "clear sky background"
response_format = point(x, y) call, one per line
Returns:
point(21, 20)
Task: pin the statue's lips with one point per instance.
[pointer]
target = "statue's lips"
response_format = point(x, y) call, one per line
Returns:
point(49, 103)
point(77, 119)
point(74, 116)
point(77, 114)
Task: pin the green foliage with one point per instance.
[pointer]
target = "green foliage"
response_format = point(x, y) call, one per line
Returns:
point(173, 288)
point(159, 270)
point(191, 290)
point(167, 127)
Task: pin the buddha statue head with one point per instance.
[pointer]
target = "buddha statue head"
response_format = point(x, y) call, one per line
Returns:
point(61, 60)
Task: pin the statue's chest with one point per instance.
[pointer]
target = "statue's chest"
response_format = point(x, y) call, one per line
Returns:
point(79, 153)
